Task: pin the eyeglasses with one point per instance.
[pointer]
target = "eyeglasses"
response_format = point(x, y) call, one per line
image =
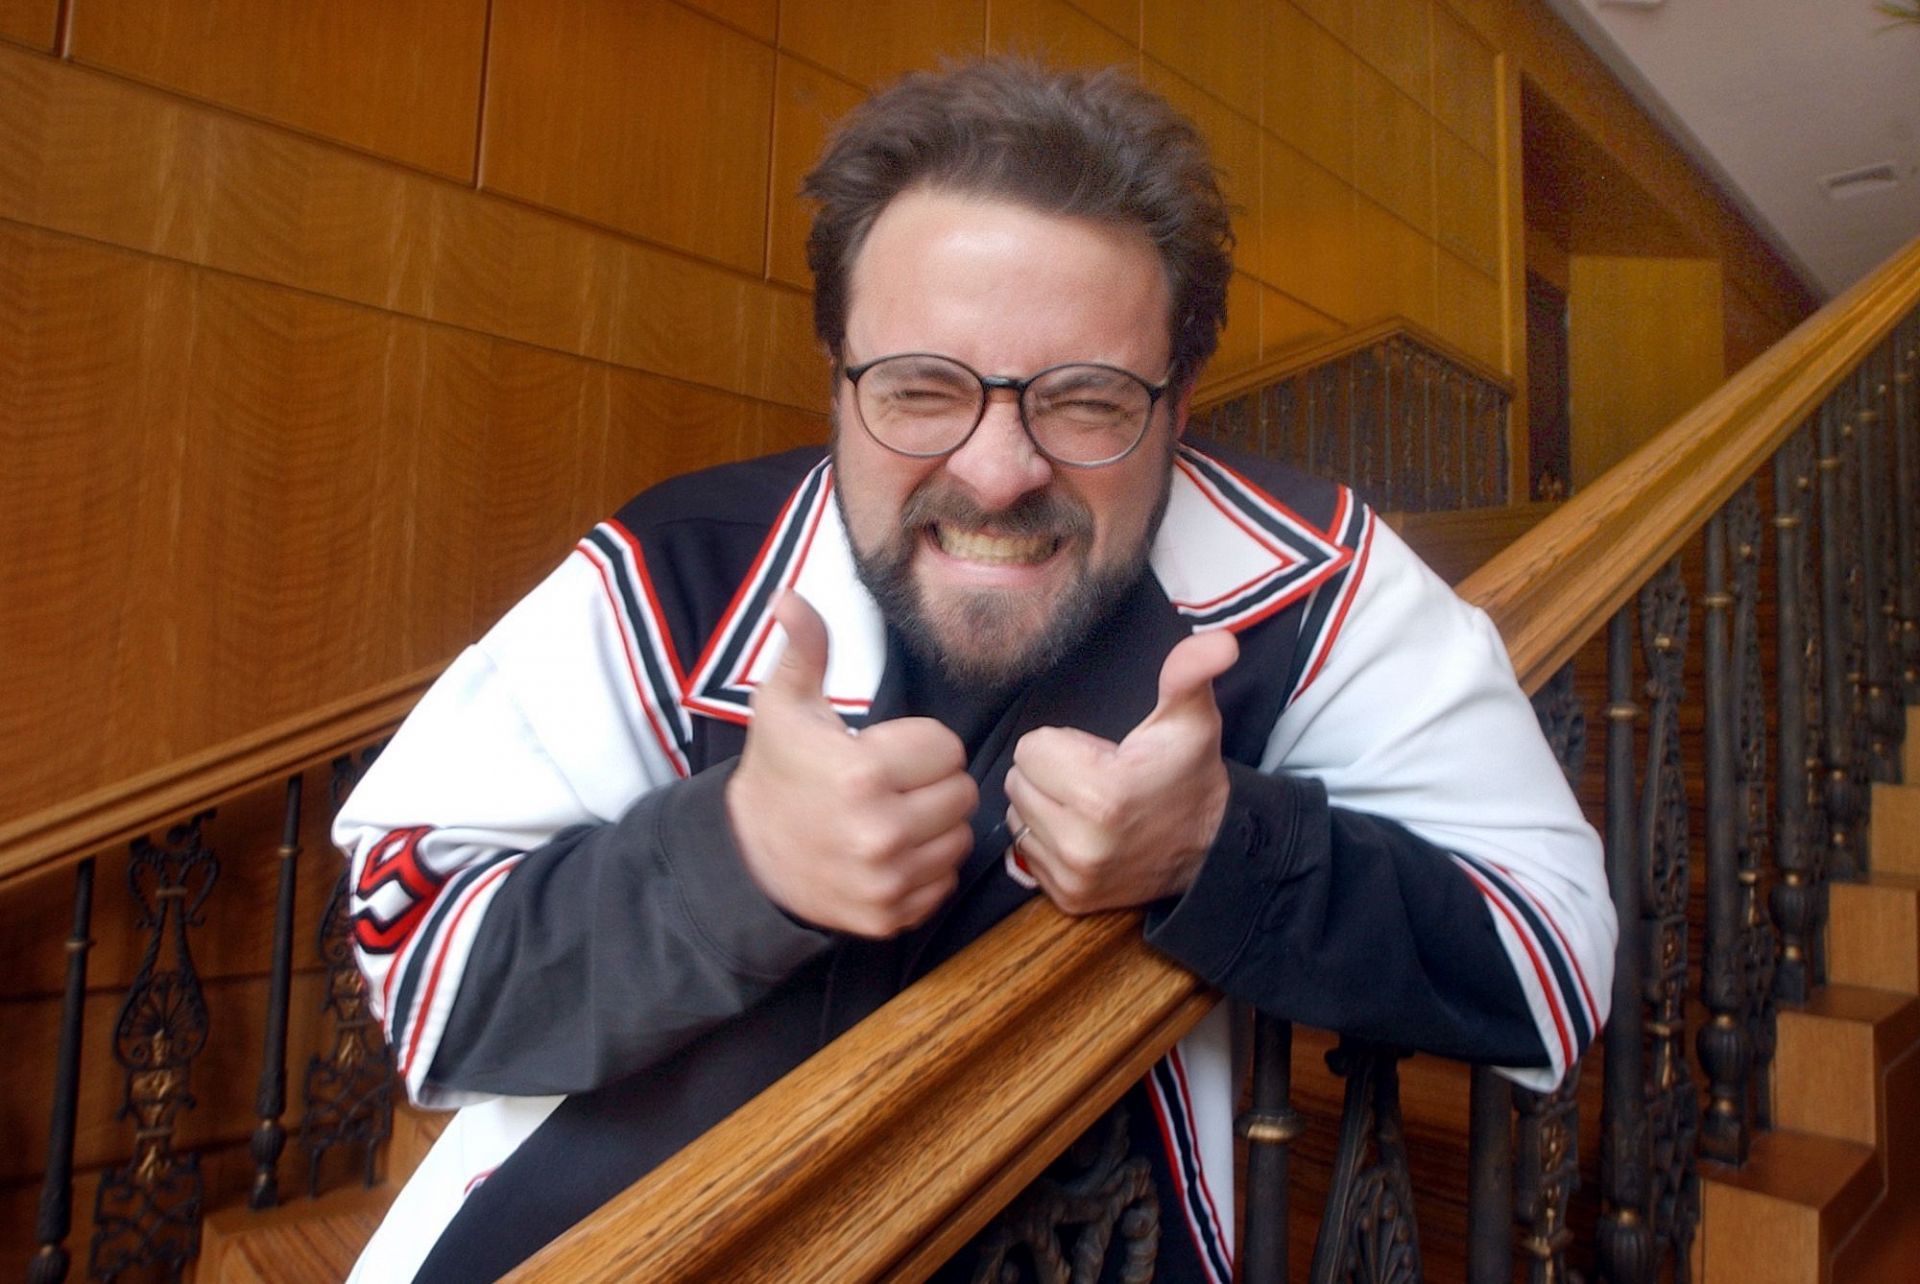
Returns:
point(1082, 414)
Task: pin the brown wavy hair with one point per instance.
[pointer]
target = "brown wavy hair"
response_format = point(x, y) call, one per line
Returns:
point(1095, 145)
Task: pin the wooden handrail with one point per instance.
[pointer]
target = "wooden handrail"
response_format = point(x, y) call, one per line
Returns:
point(1550, 592)
point(1319, 352)
point(72, 830)
point(881, 1155)
point(886, 1150)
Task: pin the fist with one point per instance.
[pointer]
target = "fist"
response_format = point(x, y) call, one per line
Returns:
point(861, 833)
point(1105, 825)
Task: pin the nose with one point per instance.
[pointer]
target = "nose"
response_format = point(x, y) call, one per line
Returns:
point(998, 463)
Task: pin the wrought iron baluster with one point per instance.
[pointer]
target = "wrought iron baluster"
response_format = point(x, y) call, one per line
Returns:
point(1758, 942)
point(1490, 1203)
point(1799, 829)
point(147, 1214)
point(1736, 982)
point(1906, 462)
point(1722, 1042)
point(1839, 536)
point(269, 1135)
point(348, 1091)
point(1367, 1230)
point(1673, 1108)
point(1269, 1126)
point(1625, 1249)
point(1546, 1170)
point(55, 1220)
point(1545, 1163)
point(1882, 716)
point(1065, 1225)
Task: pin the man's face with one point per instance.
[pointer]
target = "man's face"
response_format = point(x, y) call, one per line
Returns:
point(993, 558)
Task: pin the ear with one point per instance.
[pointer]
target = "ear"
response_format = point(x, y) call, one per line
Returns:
point(1183, 403)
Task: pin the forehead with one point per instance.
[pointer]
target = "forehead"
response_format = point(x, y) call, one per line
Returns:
point(1006, 288)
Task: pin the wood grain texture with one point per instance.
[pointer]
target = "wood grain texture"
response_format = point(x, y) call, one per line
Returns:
point(1465, 82)
point(976, 1076)
point(807, 102)
point(1466, 203)
point(1875, 933)
point(400, 78)
point(1307, 84)
point(1895, 813)
point(1393, 159)
point(29, 22)
point(1209, 44)
point(872, 42)
point(1468, 314)
point(1286, 323)
point(1399, 273)
point(643, 116)
point(1057, 34)
point(1308, 243)
point(1550, 593)
point(1644, 345)
point(1122, 17)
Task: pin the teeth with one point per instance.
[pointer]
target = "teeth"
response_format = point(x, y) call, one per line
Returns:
point(976, 546)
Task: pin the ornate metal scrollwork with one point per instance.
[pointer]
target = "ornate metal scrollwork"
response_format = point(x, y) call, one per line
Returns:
point(1546, 1168)
point(1624, 1246)
point(1405, 426)
point(147, 1214)
point(1066, 1225)
point(1843, 739)
point(1368, 1234)
point(1673, 1109)
point(1906, 481)
point(1758, 942)
point(1563, 722)
point(1800, 841)
point(1546, 1172)
point(349, 1090)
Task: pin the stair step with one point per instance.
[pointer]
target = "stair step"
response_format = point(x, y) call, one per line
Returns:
point(1873, 934)
point(1831, 1053)
point(1895, 847)
point(308, 1241)
point(1778, 1218)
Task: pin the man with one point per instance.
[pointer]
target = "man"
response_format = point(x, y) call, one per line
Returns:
point(784, 735)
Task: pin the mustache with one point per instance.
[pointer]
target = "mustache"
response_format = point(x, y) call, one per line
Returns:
point(1042, 512)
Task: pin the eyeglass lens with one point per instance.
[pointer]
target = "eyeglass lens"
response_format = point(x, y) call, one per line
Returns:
point(926, 405)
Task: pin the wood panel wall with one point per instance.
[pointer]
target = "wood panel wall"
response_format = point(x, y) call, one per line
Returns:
point(325, 329)
point(330, 326)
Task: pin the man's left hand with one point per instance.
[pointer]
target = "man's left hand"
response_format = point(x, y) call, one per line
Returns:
point(1112, 825)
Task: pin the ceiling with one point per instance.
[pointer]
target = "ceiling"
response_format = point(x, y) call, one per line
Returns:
point(1777, 99)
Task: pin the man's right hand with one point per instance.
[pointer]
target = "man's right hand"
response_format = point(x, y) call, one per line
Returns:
point(852, 833)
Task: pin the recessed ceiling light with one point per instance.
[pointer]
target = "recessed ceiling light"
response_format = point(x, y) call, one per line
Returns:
point(1867, 179)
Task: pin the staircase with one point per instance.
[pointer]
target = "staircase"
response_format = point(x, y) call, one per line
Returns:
point(1833, 1193)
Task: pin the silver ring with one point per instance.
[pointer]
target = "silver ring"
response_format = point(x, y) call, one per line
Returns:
point(1024, 831)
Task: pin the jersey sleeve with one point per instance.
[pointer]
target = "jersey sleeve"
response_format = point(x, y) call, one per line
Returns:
point(1411, 863)
point(533, 831)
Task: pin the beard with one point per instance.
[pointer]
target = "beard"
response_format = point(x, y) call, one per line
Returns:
point(996, 639)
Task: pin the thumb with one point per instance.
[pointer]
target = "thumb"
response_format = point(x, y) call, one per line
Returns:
point(1186, 677)
point(801, 671)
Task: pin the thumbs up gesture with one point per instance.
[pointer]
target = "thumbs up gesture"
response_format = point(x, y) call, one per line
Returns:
point(1110, 825)
point(852, 833)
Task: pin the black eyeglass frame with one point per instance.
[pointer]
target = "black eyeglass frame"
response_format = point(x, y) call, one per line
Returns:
point(1018, 387)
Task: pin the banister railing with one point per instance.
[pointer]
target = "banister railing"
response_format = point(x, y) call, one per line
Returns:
point(67, 833)
point(1551, 592)
point(1410, 422)
point(882, 1155)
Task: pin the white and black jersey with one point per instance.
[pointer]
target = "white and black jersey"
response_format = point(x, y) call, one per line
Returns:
point(561, 938)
